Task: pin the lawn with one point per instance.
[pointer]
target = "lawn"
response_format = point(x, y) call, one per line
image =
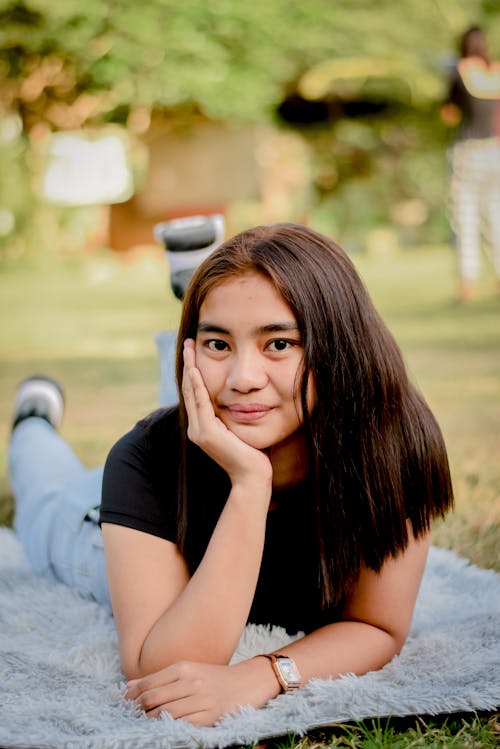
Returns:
point(90, 322)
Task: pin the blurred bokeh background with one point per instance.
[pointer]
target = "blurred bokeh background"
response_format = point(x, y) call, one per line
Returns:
point(115, 115)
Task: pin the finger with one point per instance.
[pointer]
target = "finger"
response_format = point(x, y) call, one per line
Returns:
point(188, 394)
point(199, 718)
point(200, 411)
point(205, 428)
point(202, 718)
point(189, 353)
point(134, 689)
point(188, 708)
point(171, 697)
point(137, 687)
point(202, 398)
point(189, 350)
point(187, 387)
point(188, 357)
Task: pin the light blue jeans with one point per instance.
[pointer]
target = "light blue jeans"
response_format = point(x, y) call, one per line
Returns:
point(56, 508)
point(57, 498)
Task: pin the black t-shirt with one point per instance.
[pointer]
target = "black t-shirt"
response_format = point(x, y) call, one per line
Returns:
point(140, 491)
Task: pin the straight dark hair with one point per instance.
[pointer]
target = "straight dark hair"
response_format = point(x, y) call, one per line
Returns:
point(378, 461)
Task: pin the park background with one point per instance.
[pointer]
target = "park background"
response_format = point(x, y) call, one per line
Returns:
point(115, 115)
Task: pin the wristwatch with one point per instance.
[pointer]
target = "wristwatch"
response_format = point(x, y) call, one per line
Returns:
point(286, 671)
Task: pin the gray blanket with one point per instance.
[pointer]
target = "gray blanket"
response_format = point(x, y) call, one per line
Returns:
point(61, 684)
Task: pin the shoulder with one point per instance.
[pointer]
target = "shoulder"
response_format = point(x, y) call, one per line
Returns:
point(160, 424)
point(159, 430)
point(140, 482)
point(149, 452)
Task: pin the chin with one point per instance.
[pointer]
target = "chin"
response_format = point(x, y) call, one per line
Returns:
point(256, 441)
point(262, 441)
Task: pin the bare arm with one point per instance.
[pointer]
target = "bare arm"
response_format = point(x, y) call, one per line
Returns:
point(375, 621)
point(373, 628)
point(162, 615)
point(178, 633)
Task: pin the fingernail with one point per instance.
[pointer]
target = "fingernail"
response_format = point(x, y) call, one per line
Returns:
point(132, 683)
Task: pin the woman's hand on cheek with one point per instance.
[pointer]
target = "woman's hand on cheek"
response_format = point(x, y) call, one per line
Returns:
point(243, 463)
point(201, 692)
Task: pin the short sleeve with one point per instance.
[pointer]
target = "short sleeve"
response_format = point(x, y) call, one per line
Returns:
point(140, 480)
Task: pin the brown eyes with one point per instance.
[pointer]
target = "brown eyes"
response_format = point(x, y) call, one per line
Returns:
point(216, 345)
point(277, 345)
point(280, 344)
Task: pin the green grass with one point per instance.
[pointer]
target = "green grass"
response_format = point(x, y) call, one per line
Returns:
point(91, 325)
point(90, 322)
point(454, 732)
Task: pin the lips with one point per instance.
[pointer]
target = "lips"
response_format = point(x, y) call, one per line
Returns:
point(247, 412)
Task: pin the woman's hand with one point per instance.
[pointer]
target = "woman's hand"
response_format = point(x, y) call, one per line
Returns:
point(244, 464)
point(201, 693)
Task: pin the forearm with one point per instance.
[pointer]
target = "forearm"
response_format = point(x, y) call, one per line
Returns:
point(376, 619)
point(210, 691)
point(334, 650)
point(343, 647)
point(206, 620)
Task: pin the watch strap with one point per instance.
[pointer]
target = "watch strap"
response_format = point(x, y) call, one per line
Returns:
point(286, 684)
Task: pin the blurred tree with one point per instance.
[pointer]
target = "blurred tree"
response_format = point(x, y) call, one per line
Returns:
point(67, 62)
point(363, 80)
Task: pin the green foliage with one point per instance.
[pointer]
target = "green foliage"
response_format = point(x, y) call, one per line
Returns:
point(230, 58)
point(65, 64)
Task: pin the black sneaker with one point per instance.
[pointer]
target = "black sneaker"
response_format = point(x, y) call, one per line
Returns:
point(39, 396)
point(187, 242)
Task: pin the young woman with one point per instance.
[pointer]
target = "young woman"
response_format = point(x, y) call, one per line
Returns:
point(294, 485)
point(473, 107)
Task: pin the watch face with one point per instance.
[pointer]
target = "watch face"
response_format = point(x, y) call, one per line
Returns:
point(289, 671)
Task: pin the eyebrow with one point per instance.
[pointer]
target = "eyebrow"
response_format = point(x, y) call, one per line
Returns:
point(275, 327)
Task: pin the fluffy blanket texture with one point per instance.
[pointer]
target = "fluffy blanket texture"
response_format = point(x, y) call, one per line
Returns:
point(61, 684)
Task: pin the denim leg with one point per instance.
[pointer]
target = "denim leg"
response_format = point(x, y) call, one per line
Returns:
point(166, 343)
point(55, 496)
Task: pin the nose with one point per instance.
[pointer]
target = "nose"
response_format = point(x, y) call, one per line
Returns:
point(247, 372)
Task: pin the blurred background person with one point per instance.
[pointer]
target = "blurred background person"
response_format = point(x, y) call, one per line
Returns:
point(473, 106)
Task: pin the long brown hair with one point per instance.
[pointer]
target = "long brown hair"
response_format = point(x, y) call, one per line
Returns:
point(377, 456)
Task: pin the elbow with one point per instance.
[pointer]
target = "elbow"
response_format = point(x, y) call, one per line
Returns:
point(136, 665)
point(390, 644)
point(137, 670)
point(380, 645)
point(400, 640)
point(139, 660)
point(397, 638)
point(131, 668)
point(139, 663)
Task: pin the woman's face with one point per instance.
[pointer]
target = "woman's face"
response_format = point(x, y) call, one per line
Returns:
point(249, 352)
